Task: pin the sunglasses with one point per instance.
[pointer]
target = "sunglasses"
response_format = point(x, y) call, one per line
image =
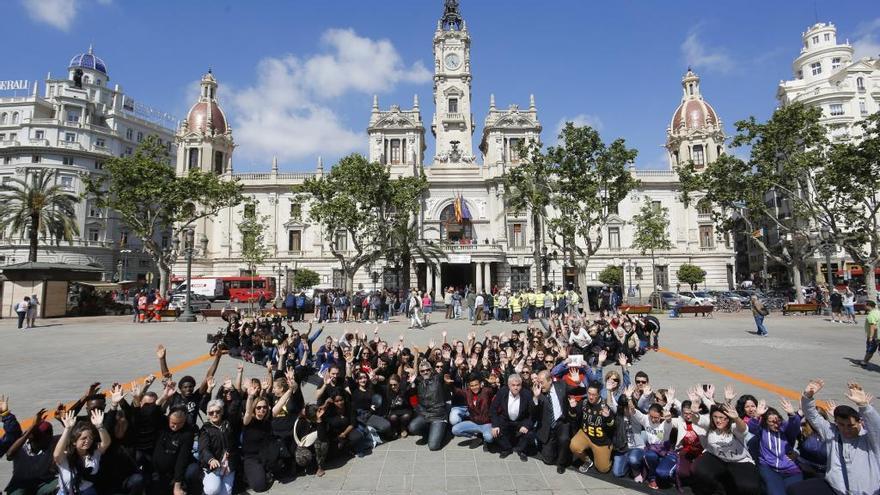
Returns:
point(424, 370)
point(214, 412)
point(261, 407)
point(641, 382)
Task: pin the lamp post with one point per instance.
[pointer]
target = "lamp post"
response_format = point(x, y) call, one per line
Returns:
point(828, 248)
point(281, 270)
point(630, 267)
point(189, 237)
point(122, 273)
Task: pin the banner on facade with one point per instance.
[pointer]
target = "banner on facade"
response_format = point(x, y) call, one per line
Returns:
point(458, 259)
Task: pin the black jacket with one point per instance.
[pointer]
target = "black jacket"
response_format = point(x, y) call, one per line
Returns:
point(173, 452)
point(544, 410)
point(432, 397)
point(214, 441)
point(499, 414)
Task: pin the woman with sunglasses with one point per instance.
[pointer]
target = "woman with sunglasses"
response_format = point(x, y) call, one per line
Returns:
point(218, 452)
point(396, 405)
point(257, 443)
point(431, 413)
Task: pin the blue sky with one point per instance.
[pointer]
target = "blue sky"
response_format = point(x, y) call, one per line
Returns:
point(297, 78)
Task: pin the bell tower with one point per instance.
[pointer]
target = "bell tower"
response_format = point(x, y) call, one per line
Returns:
point(204, 140)
point(453, 122)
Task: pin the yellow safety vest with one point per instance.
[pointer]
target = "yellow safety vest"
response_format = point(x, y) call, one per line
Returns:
point(539, 299)
point(514, 303)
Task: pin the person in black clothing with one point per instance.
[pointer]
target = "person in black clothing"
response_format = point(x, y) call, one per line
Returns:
point(511, 413)
point(432, 416)
point(553, 432)
point(363, 404)
point(259, 450)
point(396, 405)
point(218, 452)
point(190, 397)
point(174, 470)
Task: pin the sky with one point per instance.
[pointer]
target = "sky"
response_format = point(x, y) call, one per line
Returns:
point(297, 78)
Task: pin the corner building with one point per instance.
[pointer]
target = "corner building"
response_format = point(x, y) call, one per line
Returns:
point(491, 246)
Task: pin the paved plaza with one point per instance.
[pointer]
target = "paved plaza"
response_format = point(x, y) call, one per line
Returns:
point(56, 361)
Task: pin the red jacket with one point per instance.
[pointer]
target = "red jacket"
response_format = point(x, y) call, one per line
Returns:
point(478, 405)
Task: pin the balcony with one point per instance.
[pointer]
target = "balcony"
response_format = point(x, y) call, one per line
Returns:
point(8, 143)
point(453, 117)
point(708, 248)
point(71, 145)
point(704, 217)
point(38, 142)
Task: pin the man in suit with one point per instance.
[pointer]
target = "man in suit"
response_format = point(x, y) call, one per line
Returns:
point(511, 413)
point(553, 433)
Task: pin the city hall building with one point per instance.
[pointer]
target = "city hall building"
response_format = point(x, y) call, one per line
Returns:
point(489, 245)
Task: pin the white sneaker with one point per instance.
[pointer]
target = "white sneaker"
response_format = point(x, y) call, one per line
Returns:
point(585, 467)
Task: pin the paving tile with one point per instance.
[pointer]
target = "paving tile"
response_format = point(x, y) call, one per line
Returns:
point(325, 483)
point(394, 483)
point(429, 455)
point(534, 492)
point(398, 456)
point(465, 468)
point(429, 468)
point(460, 455)
point(497, 492)
point(491, 468)
point(473, 491)
point(424, 483)
point(498, 482)
point(568, 492)
point(462, 483)
point(564, 481)
point(361, 483)
point(521, 468)
point(529, 482)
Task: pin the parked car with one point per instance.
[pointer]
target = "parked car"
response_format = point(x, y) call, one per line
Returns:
point(729, 294)
point(668, 299)
point(696, 298)
point(197, 302)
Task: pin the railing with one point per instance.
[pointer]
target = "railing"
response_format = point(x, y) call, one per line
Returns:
point(656, 173)
point(38, 142)
point(7, 143)
point(269, 176)
point(62, 243)
point(33, 121)
point(708, 248)
point(71, 145)
point(704, 217)
point(454, 117)
point(468, 248)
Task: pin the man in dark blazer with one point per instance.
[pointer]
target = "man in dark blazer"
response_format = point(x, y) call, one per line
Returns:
point(511, 412)
point(553, 432)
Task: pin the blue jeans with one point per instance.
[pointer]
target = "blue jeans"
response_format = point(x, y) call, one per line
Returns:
point(218, 484)
point(759, 322)
point(660, 467)
point(776, 482)
point(457, 414)
point(434, 430)
point(631, 461)
point(21, 316)
point(471, 429)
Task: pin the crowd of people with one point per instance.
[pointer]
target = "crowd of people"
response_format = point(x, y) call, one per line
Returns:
point(562, 388)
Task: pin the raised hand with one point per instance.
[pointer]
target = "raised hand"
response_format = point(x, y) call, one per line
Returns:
point(211, 383)
point(160, 351)
point(628, 391)
point(813, 387)
point(710, 391)
point(40, 416)
point(622, 360)
point(68, 419)
point(93, 388)
point(4, 404)
point(536, 389)
point(694, 397)
point(572, 402)
point(327, 378)
point(169, 389)
point(762, 407)
point(670, 395)
point(443, 334)
point(149, 380)
point(729, 411)
point(603, 355)
point(830, 406)
point(319, 413)
point(252, 391)
point(431, 344)
point(729, 393)
point(290, 377)
point(574, 374)
point(116, 394)
point(227, 382)
point(605, 411)
point(858, 395)
point(376, 330)
point(97, 417)
point(786, 406)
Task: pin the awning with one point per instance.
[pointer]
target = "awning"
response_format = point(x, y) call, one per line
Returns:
point(100, 285)
point(857, 270)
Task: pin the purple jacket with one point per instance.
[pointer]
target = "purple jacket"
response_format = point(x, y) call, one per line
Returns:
point(774, 447)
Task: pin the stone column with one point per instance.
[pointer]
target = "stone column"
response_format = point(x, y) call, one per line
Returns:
point(438, 287)
point(478, 279)
point(487, 277)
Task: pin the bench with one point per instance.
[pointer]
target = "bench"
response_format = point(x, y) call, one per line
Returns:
point(211, 313)
point(169, 313)
point(704, 310)
point(635, 309)
point(800, 308)
point(860, 308)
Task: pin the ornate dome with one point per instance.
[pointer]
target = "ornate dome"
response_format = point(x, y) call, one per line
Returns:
point(197, 119)
point(88, 60)
point(693, 112)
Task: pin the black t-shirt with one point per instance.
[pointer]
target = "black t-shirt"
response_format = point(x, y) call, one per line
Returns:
point(255, 435)
point(836, 299)
point(282, 423)
point(190, 405)
point(173, 452)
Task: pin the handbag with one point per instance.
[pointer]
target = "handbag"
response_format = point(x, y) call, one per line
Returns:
point(306, 441)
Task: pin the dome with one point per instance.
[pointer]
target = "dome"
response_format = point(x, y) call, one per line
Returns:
point(197, 119)
point(693, 114)
point(89, 61)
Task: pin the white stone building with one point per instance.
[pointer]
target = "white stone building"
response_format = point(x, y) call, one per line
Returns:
point(491, 248)
point(73, 126)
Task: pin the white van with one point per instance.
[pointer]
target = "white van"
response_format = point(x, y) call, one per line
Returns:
point(211, 288)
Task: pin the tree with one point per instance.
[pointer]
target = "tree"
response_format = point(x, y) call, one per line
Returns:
point(528, 187)
point(150, 199)
point(253, 243)
point(691, 275)
point(304, 278)
point(354, 201)
point(849, 185)
point(611, 275)
point(651, 235)
point(38, 208)
point(591, 178)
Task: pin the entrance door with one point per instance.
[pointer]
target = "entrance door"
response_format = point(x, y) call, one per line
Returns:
point(519, 277)
point(662, 276)
point(457, 275)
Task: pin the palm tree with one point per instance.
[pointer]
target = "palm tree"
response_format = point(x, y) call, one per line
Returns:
point(38, 208)
point(404, 247)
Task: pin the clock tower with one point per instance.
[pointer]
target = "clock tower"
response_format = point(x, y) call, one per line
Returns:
point(453, 122)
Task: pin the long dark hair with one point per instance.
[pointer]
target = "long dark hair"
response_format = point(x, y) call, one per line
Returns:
point(741, 404)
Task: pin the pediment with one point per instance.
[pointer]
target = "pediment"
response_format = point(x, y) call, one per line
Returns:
point(453, 91)
point(395, 120)
point(515, 121)
point(295, 224)
point(615, 219)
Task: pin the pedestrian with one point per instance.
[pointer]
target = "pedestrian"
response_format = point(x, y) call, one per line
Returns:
point(414, 302)
point(836, 300)
point(32, 311)
point(759, 311)
point(849, 302)
point(22, 309)
point(871, 322)
point(479, 301)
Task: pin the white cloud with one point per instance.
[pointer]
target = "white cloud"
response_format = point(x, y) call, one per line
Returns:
point(289, 113)
point(697, 55)
point(867, 42)
point(56, 13)
point(579, 120)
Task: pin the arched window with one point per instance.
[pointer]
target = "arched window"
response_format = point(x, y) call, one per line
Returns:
point(14, 117)
point(704, 207)
point(456, 228)
point(860, 83)
point(3, 117)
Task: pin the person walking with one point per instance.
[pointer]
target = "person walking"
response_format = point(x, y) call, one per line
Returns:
point(22, 308)
point(414, 302)
point(871, 322)
point(759, 311)
point(32, 311)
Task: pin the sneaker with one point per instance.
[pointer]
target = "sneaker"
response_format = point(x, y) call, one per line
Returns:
point(585, 467)
point(639, 478)
point(476, 442)
point(653, 485)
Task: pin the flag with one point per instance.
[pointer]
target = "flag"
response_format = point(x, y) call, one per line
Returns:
point(457, 207)
point(465, 213)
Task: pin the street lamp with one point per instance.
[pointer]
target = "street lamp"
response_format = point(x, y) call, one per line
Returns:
point(630, 267)
point(281, 270)
point(545, 263)
point(189, 239)
point(828, 248)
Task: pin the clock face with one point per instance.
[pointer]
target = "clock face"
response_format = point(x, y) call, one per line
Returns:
point(453, 61)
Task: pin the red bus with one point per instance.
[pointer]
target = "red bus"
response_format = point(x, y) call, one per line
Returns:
point(244, 289)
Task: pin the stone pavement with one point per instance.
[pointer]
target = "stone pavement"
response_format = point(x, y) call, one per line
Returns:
point(56, 361)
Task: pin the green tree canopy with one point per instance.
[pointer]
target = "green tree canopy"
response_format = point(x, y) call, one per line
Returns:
point(36, 207)
point(304, 278)
point(611, 275)
point(651, 233)
point(692, 275)
point(151, 199)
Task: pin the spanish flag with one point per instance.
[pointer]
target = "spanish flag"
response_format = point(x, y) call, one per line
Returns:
point(457, 207)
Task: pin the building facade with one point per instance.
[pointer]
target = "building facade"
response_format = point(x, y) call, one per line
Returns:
point(490, 245)
point(73, 126)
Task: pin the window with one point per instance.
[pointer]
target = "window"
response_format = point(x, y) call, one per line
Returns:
point(140, 136)
point(835, 109)
point(100, 143)
point(3, 117)
point(835, 63)
point(38, 134)
point(691, 89)
point(453, 105)
point(99, 165)
point(706, 237)
point(2, 137)
point(66, 182)
point(656, 205)
point(395, 151)
point(800, 74)
point(193, 158)
point(129, 134)
point(860, 83)
point(613, 209)
point(94, 211)
point(218, 162)
point(67, 160)
point(94, 235)
point(294, 240)
point(827, 36)
point(164, 241)
point(341, 241)
point(614, 237)
point(250, 211)
point(698, 155)
point(295, 211)
point(70, 137)
point(816, 68)
point(14, 117)
point(513, 144)
point(815, 39)
point(13, 136)
point(72, 116)
point(7, 160)
point(863, 107)
point(704, 207)
point(128, 151)
point(517, 235)
point(36, 159)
